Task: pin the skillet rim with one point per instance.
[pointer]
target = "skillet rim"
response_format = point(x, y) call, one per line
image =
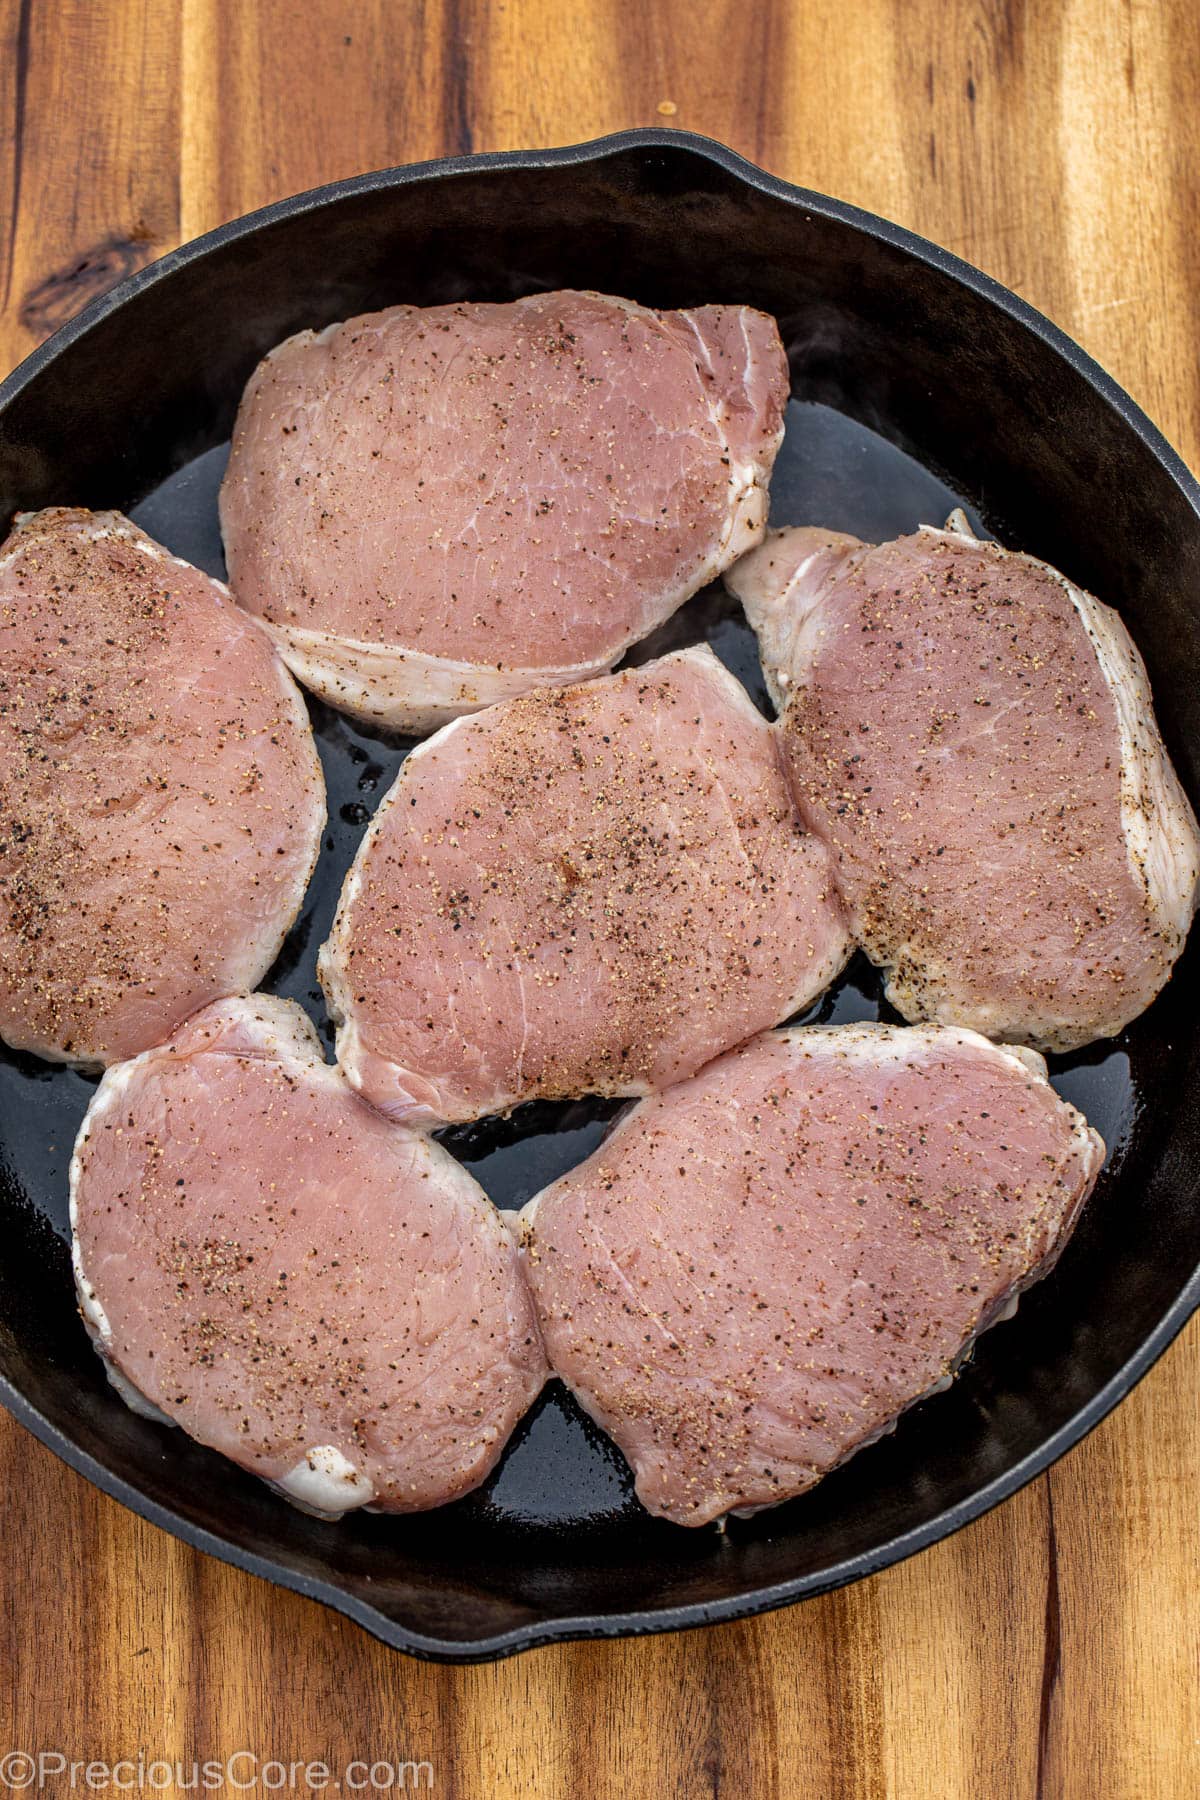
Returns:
point(757, 1600)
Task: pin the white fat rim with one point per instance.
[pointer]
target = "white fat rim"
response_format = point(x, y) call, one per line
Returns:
point(93, 1312)
point(116, 1079)
point(408, 690)
point(776, 622)
point(133, 1396)
point(325, 1484)
point(896, 1043)
point(1160, 829)
point(746, 502)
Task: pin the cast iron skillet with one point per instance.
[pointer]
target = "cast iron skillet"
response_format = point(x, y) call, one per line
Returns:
point(918, 384)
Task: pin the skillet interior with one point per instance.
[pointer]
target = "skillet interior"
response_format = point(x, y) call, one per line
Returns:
point(918, 385)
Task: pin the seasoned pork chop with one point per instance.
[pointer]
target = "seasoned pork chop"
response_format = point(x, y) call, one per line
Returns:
point(434, 509)
point(328, 1300)
point(161, 801)
point(973, 737)
point(761, 1269)
point(585, 890)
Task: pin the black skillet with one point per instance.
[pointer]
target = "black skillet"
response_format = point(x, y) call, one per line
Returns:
point(918, 384)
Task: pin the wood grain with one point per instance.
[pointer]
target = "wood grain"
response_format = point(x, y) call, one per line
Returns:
point(1053, 1649)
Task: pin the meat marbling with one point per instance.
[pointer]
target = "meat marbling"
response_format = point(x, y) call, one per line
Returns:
point(760, 1270)
point(584, 890)
point(161, 798)
point(327, 1299)
point(434, 509)
point(974, 738)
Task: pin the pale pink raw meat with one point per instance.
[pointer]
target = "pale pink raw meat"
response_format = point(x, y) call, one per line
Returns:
point(434, 509)
point(973, 736)
point(589, 890)
point(328, 1300)
point(761, 1269)
point(161, 801)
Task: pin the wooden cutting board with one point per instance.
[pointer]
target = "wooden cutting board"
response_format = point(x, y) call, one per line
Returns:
point(1054, 1647)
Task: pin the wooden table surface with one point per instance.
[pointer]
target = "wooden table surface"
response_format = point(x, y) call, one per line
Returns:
point(1053, 1647)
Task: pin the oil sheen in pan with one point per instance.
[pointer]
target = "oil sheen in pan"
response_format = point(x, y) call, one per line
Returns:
point(559, 1470)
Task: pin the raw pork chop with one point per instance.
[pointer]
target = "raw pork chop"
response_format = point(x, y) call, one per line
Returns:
point(974, 738)
point(161, 801)
point(436, 509)
point(583, 890)
point(760, 1270)
point(326, 1299)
